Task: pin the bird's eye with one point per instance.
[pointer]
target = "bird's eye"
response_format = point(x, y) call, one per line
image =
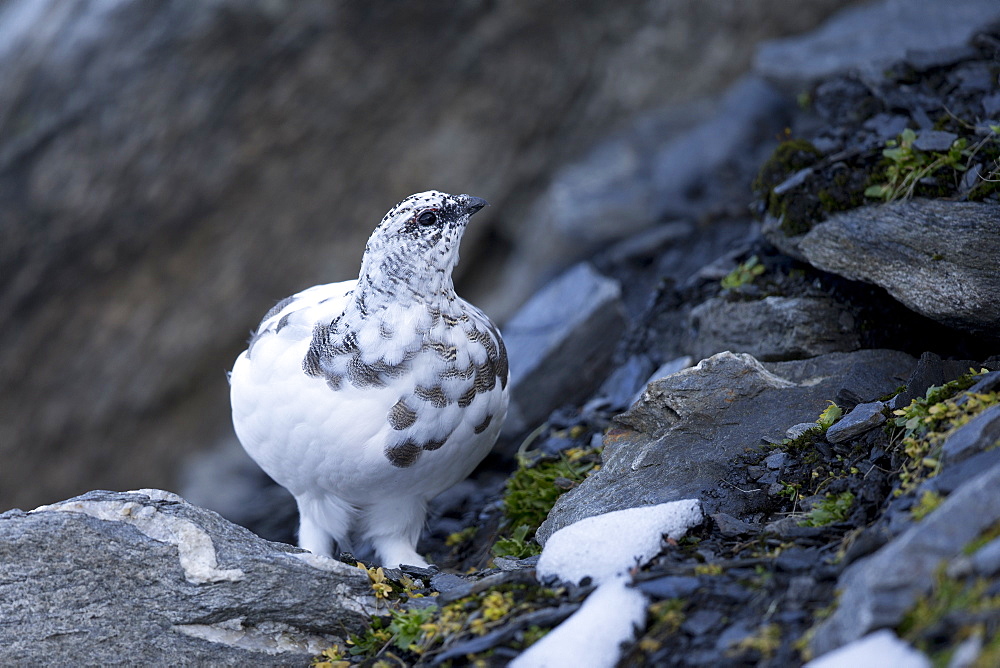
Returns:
point(427, 218)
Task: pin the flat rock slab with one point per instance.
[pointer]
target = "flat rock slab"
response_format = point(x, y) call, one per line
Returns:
point(879, 589)
point(937, 257)
point(773, 328)
point(572, 323)
point(145, 578)
point(869, 37)
point(682, 438)
point(862, 418)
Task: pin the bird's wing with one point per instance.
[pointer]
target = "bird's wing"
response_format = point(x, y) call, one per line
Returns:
point(300, 312)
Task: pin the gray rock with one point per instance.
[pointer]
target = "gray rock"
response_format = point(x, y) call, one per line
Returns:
point(776, 460)
point(975, 436)
point(681, 439)
point(931, 370)
point(560, 344)
point(797, 430)
point(937, 257)
point(870, 37)
point(702, 621)
point(666, 369)
point(879, 589)
point(145, 578)
point(934, 140)
point(774, 328)
point(731, 526)
point(670, 586)
point(986, 560)
point(862, 418)
point(991, 104)
point(620, 387)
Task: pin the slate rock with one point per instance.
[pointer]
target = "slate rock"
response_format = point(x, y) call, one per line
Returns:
point(701, 621)
point(975, 436)
point(681, 439)
point(870, 37)
point(934, 140)
point(670, 586)
point(146, 578)
point(879, 589)
point(621, 385)
point(776, 460)
point(730, 526)
point(774, 328)
point(862, 418)
point(936, 257)
point(560, 344)
point(931, 371)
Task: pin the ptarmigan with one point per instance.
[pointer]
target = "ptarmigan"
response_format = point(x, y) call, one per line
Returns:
point(367, 398)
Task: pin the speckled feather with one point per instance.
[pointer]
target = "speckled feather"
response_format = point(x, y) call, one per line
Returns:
point(367, 398)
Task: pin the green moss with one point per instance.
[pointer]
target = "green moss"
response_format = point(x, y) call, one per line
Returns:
point(832, 509)
point(531, 492)
point(797, 212)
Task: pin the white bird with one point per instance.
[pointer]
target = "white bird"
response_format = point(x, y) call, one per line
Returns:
point(367, 398)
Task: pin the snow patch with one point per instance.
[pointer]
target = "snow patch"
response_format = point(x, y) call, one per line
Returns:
point(593, 634)
point(609, 545)
point(881, 648)
point(195, 548)
point(604, 548)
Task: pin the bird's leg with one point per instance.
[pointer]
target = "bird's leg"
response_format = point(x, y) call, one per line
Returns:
point(394, 529)
point(313, 537)
point(322, 522)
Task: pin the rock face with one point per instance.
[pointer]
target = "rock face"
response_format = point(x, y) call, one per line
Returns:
point(143, 577)
point(848, 43)
point(682, 439)
point(774, 328)
point(573, 322)
point(878, 590)
point(937, 257)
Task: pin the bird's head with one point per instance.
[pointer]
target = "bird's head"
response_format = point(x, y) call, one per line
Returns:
point(415, 247)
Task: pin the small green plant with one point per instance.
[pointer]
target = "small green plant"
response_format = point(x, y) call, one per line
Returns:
point(829, 416)
point(743, 274)
point(922, 427)
point(518, 545)
point(908, 165)
point(832, 509)
point(332, 657)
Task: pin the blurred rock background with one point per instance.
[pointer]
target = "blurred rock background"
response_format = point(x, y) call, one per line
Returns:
point(170, 168)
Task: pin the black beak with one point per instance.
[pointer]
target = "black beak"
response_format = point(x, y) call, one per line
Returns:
point(472, 204)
